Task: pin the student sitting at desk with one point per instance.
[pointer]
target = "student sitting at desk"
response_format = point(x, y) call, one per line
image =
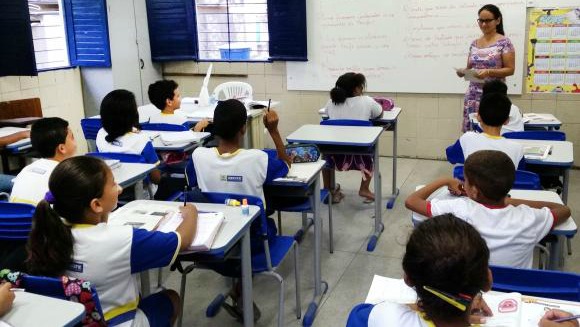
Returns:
point(510, 226)
point(493, 113)
point(6, 180)
point(120, 134)
point(166, 97)
point(348, 102)
point(229, 169)
point(515, 121)
point(70, 236)
point(54, 141)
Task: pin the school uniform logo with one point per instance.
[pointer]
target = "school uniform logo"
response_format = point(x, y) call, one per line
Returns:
point(76, 267)
point(232, 178)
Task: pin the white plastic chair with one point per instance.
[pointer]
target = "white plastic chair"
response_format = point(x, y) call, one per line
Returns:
point(233, 90)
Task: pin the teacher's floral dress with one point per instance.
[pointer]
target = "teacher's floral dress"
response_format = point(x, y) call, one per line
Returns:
point(482, 58)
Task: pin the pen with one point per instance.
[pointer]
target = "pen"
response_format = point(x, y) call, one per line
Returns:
point(567, 318)
point(17, 289)
point(269, 102)
point(185, 195)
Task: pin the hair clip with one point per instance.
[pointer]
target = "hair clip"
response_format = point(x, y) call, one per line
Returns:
point(460, 303)
point(48, 197)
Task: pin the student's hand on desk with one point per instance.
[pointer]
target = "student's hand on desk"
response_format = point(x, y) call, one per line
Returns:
point(271, 120)
point(6, 298)
point(479, 310)
point(201, 125)
point(188, 211)
point(547, 320)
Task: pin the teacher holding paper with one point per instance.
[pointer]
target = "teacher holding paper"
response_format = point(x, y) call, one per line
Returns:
point(491, 56)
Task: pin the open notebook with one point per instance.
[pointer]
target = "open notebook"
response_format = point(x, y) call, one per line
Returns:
point(208, 225)
point(537, 151)
point(509, 309)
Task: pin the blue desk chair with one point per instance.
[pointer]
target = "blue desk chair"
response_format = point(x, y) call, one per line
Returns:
point(52, 287)
point(15, 221)
point(542, 283)
point(163, 127)
point(525, 180)
point(265, 263)
point(91, 127)
point(346, 122)
point(359, 315)
point(536, 135)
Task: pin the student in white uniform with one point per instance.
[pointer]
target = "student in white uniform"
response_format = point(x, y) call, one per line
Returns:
point(493, 113)
point(229, 169)
point(70, 236)
point(165, 95)
point(348, 102)
point(443, 255)
point(515, 122)
point(54, 141)
point(510, 226)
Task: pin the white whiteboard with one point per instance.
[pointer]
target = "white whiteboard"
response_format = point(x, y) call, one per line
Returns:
point(400, 46)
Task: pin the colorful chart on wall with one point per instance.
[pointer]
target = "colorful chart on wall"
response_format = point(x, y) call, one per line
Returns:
point(553, 63)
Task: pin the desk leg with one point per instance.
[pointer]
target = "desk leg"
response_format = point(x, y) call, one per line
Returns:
point(395, 190)
point(556, 252)
point(246, 143)
point(247, 281)
point(320, 287)
point(378, 203)
point(565, 185)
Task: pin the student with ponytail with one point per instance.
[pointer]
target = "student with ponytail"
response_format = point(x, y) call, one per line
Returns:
point(348, 102)
point(70, 236)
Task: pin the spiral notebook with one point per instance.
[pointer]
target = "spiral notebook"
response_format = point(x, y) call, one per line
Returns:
point(208, 225)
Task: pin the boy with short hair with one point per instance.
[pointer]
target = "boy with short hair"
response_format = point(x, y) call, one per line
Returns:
point(229, 169)
point(493, 113)
point(511, 227)
point(515, 121)
point(165, 95)
point(54, 141)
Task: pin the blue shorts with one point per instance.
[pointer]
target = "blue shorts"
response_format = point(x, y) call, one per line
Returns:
point(158, 309)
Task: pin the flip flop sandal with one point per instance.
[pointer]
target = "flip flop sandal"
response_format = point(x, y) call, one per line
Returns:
point(367, 201)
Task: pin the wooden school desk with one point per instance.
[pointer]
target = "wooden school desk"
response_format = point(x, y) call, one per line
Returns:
point(561, 158)
point(389, 121)
point(31, 309)
point(306, 176)
point(348, 140)
point(235, 228)
point(566, 229)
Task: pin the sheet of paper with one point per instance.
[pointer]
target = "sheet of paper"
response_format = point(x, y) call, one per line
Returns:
point(390, 289)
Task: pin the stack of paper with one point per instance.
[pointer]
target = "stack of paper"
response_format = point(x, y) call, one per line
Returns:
point(470, 75)
point(537, 151)
point(208, 225)
point(142, 218)
point(531, 117)
point(113, 163)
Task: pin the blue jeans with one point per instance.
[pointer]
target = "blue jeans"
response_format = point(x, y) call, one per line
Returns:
point(6, 183)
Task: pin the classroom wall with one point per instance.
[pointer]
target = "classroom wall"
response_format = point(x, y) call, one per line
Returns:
point(60, 93)
point(427, 125)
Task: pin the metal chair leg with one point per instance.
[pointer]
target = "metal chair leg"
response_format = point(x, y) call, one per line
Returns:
point(330, 230)
point(569, 245)
point(297, 280)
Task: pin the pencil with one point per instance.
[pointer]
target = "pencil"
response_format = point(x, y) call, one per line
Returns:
point(567, 318)
point(185, 195)
point(269, 102)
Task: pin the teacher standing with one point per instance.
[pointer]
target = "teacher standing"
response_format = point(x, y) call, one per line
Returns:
point(492, 56)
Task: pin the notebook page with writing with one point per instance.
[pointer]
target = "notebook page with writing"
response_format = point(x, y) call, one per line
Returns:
point(208, 225)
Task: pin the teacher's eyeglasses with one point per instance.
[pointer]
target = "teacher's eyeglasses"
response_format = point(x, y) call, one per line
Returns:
point(487, 21)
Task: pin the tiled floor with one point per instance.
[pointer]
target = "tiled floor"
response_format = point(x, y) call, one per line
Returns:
point(350, 269)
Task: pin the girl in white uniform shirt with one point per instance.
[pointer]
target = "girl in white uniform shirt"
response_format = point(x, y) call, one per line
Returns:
point(70, 236)
point(348, 102)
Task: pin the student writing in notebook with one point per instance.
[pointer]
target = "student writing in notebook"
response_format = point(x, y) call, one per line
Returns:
point(70, 236)
point(493, 113)
point(348, 102)
point(549, 319)
point(510, 226)
point(165, 95)
point(446, 262)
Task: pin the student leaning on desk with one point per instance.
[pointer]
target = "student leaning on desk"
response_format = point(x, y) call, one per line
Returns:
point(6, 180)
point(70, 236)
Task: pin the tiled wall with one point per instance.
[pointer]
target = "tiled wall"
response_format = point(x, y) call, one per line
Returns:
point(60, 93)
point(427, 125)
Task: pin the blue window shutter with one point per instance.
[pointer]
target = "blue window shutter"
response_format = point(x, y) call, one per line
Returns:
point(17, 53)
point(287, 28)
point(172, 29)
point(87, 33)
